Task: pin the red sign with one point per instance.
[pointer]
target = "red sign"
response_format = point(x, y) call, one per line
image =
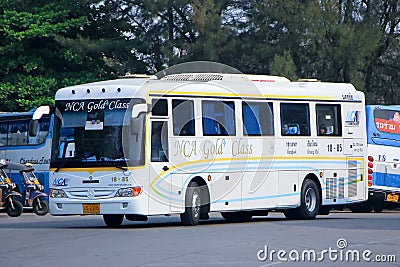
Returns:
point(387, 126)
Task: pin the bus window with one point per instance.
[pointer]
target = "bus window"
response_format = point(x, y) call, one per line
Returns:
point(295, 119)
point(328, 120)
point(183, 117)
point(159, 107)
point(387, 121)
point(159, 141)
point(3, 134)
point(218, 118)
point(18, 133)
point(257, 118)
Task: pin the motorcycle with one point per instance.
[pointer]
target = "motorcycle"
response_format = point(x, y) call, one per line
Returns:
point(33, 194)
point(9, 196)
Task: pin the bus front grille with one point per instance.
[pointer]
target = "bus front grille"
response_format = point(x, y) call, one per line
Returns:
point(91, 193)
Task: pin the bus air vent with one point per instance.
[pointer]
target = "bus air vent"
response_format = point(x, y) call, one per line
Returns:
point(195, 77)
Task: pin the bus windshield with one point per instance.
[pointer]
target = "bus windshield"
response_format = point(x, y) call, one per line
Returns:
point(90, 133)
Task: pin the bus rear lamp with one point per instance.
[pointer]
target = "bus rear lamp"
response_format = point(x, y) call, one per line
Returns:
point(370, 158)
point(129, 192)
point(369, 177)
point(369, 184)
point(57, 193)
point(370, 165)
point(370, 171)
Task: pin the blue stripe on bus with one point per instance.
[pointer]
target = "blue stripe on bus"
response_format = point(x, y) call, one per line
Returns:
point(252, 162)
point(386, 179)
point(256, 198)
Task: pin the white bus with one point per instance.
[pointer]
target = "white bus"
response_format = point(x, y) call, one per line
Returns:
point(19, 142)
point(195, 143)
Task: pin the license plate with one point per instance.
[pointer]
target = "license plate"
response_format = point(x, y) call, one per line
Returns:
point(93, 208)
point(392, 198)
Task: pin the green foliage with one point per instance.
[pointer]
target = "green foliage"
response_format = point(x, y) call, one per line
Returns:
point(39, 52)
point(284, 66)
point(45, 45)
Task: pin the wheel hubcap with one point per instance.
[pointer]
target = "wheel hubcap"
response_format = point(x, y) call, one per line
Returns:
point(310, 199)
point(196, 204)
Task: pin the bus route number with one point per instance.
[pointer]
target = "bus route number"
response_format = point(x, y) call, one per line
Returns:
point(381, 157)
point(123, 179)
point(337, 148)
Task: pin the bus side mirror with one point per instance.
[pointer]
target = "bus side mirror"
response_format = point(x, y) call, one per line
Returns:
point(135, 126)
point(135, 121)
point(33, 128)
point(37, 115)
point(40, 111)
point(140, 108)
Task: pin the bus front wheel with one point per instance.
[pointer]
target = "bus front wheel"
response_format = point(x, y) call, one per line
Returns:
point(113, 220)
point(310, 201)
point(191, 216)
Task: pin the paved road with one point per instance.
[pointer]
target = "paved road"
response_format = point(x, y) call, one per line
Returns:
point(31, 240)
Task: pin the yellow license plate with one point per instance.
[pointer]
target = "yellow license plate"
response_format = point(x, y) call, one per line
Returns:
point(93, 208)
point(392, 198)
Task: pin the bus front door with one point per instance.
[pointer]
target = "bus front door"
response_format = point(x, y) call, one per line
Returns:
point(160, 178)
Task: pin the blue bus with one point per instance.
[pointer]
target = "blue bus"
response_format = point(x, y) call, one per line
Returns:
point(383, 135)
point(25, 137)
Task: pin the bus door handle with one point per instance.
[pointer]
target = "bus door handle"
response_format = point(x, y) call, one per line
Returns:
point(165, 168)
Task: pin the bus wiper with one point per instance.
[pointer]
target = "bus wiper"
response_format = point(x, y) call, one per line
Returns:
point(60, 166)
point(121, 168)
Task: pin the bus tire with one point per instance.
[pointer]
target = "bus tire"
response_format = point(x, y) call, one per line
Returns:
point(191, 216)
point(238, 216)
point(113, 220)
point(310, 201)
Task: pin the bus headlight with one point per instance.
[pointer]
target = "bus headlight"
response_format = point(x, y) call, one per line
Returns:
point(129, 192)
point(57, 193)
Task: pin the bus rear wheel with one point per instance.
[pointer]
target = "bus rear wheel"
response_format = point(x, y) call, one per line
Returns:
point(113, 220)
point(191, 216)
point(310, 201)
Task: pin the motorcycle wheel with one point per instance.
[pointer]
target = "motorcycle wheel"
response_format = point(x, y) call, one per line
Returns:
point(16, 211)
point(40, 207)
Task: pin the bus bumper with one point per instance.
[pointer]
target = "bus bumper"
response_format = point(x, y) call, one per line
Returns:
point(118, 205)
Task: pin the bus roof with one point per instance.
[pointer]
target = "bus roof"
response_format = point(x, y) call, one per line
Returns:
point(4, 115)
point(209, 84)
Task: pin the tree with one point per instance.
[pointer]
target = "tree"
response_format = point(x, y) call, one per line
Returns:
point(284, 66)
point(42, 49)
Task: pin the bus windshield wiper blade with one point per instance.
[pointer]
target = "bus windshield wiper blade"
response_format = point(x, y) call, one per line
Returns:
point(60, 166)
point(121, 168)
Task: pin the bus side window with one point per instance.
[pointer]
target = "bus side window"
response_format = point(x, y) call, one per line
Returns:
point(159, 107)
point(183, 117)
point(257, 118)
point(328, 119)
point(218, 118)
point(159, 141)
point(295, 119)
